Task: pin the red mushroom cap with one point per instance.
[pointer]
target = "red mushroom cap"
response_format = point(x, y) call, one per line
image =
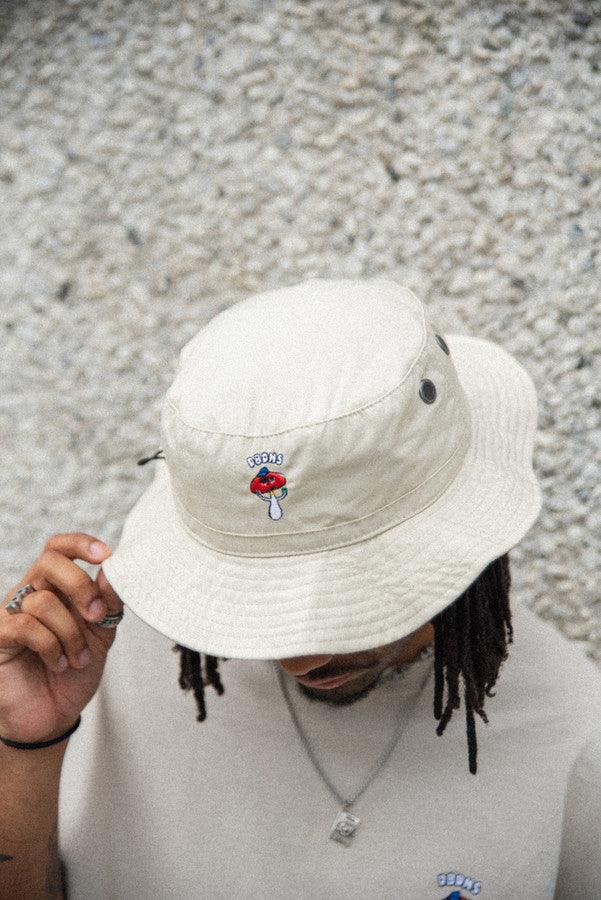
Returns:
point(270, 481)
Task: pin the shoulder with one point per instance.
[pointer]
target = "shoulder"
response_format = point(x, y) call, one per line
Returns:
point(549, 681)
point(587, 764)
point(547, 654)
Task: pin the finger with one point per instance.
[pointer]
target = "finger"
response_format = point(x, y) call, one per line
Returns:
point(113, 600)
point(17, 632)
point(62, 573)
point(42, 584)
point(48, 609)
point(73, 545)
point(79, 545)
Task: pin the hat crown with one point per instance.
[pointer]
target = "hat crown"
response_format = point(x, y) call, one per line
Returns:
point(299, 355)
point(331, 400)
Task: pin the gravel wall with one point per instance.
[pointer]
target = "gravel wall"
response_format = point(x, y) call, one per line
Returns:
point(160, 161)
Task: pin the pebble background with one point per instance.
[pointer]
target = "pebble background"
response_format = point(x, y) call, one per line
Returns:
point(160, 161)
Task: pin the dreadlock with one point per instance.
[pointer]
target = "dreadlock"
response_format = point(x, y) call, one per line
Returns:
point(469, 638)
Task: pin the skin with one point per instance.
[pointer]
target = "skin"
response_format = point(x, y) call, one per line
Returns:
point(375, 661)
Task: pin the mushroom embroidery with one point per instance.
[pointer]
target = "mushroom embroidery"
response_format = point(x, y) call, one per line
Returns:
point(264, 485)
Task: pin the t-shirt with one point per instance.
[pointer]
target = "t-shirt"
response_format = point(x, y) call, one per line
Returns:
point(155, 804)
point(580, 856)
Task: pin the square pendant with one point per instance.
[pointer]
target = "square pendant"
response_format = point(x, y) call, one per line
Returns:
point(344, 828)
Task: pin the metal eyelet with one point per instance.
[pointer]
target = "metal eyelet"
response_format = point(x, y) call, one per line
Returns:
point(427, 390)
point(443, 344)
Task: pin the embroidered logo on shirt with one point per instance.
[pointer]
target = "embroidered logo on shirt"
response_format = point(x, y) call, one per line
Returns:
point(267, 482)
point(464, 881)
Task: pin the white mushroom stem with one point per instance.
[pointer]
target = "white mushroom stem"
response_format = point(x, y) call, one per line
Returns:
point(275, 510)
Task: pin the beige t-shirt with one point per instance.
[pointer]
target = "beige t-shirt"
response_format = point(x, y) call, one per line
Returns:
point(155, 804)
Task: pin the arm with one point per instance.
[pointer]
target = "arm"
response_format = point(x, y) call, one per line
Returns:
point(44, 685)
point(29, 784)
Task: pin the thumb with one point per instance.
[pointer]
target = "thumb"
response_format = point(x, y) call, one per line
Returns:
point(109, 595)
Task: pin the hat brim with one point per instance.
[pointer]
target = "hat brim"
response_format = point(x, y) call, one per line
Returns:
point(357, 597)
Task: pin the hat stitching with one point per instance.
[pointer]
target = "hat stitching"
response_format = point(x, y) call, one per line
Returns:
point(351, 412)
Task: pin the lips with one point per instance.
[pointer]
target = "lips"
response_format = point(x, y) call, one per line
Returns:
point(326, 682)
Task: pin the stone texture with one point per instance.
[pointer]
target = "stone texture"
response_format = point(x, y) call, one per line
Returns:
point(159, 162)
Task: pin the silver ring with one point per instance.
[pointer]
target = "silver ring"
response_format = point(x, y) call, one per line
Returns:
point(14, 604)
point(110, 621)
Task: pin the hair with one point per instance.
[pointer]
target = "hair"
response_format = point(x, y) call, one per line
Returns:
point(470, 637)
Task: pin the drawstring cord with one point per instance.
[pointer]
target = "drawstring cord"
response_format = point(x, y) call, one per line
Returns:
point(146, 459)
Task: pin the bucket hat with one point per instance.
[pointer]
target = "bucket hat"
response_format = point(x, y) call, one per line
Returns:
point(335, 472)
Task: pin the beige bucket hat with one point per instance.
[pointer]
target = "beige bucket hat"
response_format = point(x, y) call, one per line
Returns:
point(335, 472)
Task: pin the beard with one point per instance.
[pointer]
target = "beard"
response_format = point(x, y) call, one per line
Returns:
point(310, 694)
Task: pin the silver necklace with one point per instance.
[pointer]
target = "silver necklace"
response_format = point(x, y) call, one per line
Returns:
point(345, 824)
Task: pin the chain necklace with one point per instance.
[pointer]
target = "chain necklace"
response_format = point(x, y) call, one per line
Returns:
point(345, 824)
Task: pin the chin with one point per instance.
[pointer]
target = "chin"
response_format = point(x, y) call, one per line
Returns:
point(333, 699)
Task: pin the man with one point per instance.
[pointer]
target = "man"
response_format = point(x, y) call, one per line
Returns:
point(338, 494)
point(233, 806)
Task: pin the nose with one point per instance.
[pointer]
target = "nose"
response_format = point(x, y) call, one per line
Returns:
point(302, 665)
